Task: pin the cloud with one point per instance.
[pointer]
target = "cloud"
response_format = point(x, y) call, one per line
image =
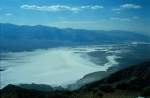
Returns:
point(118, 12)
point(60, 17)
point(8, 14)
point(58, 8)
point(120, 19)
point(135, 17)
point(126, 6)
point(78, 24)
point(125, 19)
point(130, 6)
point(52, 8)
point(95, 7)
point(116, 9)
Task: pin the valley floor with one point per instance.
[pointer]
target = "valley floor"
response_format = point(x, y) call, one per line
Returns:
point(130, 82)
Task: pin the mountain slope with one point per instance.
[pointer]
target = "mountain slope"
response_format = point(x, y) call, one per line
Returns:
point(134, 78)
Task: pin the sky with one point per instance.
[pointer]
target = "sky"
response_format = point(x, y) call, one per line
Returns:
point(129, 15)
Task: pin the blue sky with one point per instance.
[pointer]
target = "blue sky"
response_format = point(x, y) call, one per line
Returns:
point(129, 15)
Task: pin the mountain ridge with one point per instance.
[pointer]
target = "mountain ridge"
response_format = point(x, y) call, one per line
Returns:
point(18, 38)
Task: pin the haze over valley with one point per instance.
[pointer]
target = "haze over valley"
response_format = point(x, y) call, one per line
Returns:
point(64, 66)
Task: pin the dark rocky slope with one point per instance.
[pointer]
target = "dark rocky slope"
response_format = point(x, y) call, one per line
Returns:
point(132, 78)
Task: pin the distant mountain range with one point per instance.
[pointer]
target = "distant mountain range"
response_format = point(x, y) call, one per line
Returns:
point(17, 38)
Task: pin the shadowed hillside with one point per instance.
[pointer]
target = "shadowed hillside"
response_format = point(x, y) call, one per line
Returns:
point(134, 78)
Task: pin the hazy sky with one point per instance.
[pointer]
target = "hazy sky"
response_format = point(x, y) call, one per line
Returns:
point(131, 15)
